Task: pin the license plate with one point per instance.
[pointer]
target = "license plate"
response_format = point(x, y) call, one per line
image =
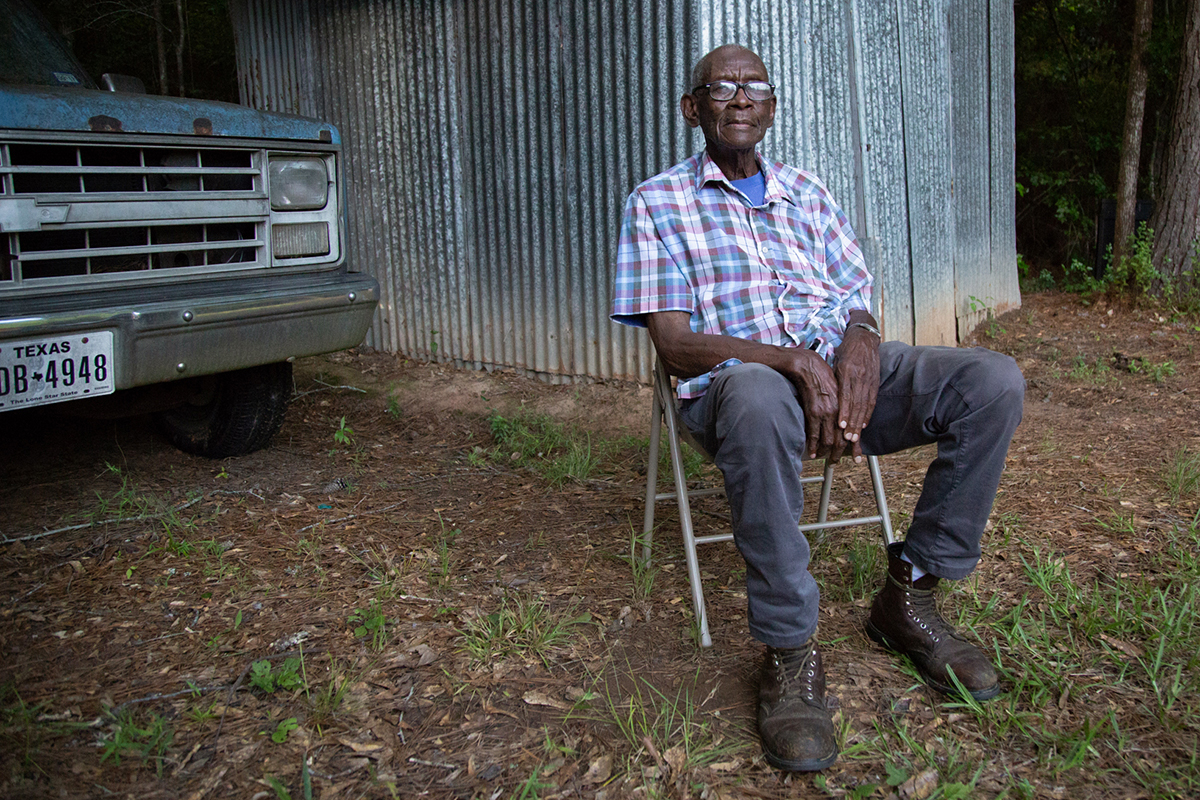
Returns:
point(37, 372)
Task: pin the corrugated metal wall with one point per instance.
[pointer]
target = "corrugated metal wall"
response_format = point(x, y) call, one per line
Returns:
point(490, 145)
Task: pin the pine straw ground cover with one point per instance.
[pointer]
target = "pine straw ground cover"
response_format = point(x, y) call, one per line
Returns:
point(423, 589)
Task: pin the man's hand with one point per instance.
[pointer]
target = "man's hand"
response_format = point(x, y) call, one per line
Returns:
point(818, 388)
point(857, 371)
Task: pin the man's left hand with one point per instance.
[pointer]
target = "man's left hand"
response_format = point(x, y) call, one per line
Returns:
point(857, 371)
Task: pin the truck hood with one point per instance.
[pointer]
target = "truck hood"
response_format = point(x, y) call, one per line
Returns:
point(65, 109)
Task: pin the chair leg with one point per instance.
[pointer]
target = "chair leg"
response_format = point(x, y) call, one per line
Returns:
point(689, 540)
point(651, 481)
point(881, 500)
point(826, 488)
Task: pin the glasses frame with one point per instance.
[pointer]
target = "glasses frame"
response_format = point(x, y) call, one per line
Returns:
point(738, 87)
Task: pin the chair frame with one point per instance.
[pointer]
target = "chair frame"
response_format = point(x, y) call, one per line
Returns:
point(666, 410)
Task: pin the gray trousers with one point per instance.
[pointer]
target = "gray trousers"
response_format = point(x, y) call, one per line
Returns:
point(967, 401)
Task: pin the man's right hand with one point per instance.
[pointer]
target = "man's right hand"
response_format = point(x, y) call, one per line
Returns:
point(818, 389)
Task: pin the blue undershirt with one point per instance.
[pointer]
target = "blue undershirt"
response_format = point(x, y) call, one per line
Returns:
point(754, 187)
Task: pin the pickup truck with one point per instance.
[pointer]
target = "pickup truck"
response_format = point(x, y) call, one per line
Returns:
point(163, 254)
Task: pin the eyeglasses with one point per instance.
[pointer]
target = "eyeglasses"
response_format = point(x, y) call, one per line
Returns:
point(722, 91)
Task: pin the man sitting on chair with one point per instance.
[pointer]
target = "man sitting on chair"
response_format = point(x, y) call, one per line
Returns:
point(752, 285)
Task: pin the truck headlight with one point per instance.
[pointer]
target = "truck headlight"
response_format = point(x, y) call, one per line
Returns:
point(298, 183)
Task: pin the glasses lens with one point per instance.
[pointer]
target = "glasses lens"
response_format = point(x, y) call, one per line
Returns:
point(759, 90)
point(722, 90)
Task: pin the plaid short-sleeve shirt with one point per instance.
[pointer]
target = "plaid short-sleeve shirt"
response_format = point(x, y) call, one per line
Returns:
point(786, 273)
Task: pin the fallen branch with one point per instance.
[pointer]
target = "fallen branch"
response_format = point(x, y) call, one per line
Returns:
point(325, 387)
point(94, 523)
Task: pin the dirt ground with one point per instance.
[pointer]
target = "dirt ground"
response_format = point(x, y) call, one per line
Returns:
point(139, 585)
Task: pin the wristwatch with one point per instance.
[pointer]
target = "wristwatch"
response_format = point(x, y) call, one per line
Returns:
point(866, 326)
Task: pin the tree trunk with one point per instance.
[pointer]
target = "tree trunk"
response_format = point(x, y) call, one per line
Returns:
point(160, 40)
point(179, 42)
point(1176, 221)
point(1131, 141)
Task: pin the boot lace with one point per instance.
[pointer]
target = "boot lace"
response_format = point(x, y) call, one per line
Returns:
point(797, 668)
point(921, 607)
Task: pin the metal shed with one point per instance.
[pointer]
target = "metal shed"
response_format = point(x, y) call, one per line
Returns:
point(490, 146)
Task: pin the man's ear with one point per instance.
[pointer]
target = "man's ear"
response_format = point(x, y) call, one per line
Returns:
point(691, 114)
point(771, 112)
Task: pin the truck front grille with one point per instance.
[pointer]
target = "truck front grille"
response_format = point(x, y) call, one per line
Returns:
point(106, 210)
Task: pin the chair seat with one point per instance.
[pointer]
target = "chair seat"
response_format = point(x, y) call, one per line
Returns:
point(665, 410)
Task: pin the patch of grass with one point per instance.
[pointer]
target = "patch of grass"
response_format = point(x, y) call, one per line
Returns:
point(643, 573)
point(145, 737)
point(549, 448)
point(1182, 475)
point(381, 569)
point(445, 562)
point(523, 626)
point(24, 729)
point(1098, 373)
point(680, 734)
point(326, 701)
point(860, 564)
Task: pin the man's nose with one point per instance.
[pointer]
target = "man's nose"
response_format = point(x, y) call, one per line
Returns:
point(740, 98)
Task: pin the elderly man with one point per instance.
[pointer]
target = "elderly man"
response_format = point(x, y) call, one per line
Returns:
point(752, 285)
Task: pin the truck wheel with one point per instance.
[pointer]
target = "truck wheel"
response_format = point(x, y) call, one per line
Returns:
point(231, 414)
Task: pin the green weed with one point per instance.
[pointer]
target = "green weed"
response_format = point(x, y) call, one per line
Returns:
point(285, 676)
point(24, 730)
point(1098, 373)
point(343, 435)
point(370, 623)
point(283, 729)
point(326, 701)
point(643, 572)
point(445, 562)
point(148, 741)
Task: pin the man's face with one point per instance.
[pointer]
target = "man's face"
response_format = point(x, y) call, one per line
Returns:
point(732, 125)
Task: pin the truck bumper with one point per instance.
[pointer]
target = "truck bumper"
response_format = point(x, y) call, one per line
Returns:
point(211, 332)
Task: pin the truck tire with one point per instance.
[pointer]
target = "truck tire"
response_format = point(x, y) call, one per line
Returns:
point(232, 414)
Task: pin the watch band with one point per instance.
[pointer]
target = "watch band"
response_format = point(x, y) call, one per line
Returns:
point(865, 326)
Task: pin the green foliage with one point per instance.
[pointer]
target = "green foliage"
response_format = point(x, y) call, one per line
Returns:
point(148, 741)
point(1043, 281)
point(1071, 71)
point(1135, 274)
point(371, 623)
point(285, 676)
point(285, 727)
point(344, 434)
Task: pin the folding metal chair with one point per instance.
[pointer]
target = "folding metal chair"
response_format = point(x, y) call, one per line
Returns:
point(665, 409)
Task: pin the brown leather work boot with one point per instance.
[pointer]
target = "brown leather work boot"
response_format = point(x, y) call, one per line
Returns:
point(797, 733)
point(904, 618)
